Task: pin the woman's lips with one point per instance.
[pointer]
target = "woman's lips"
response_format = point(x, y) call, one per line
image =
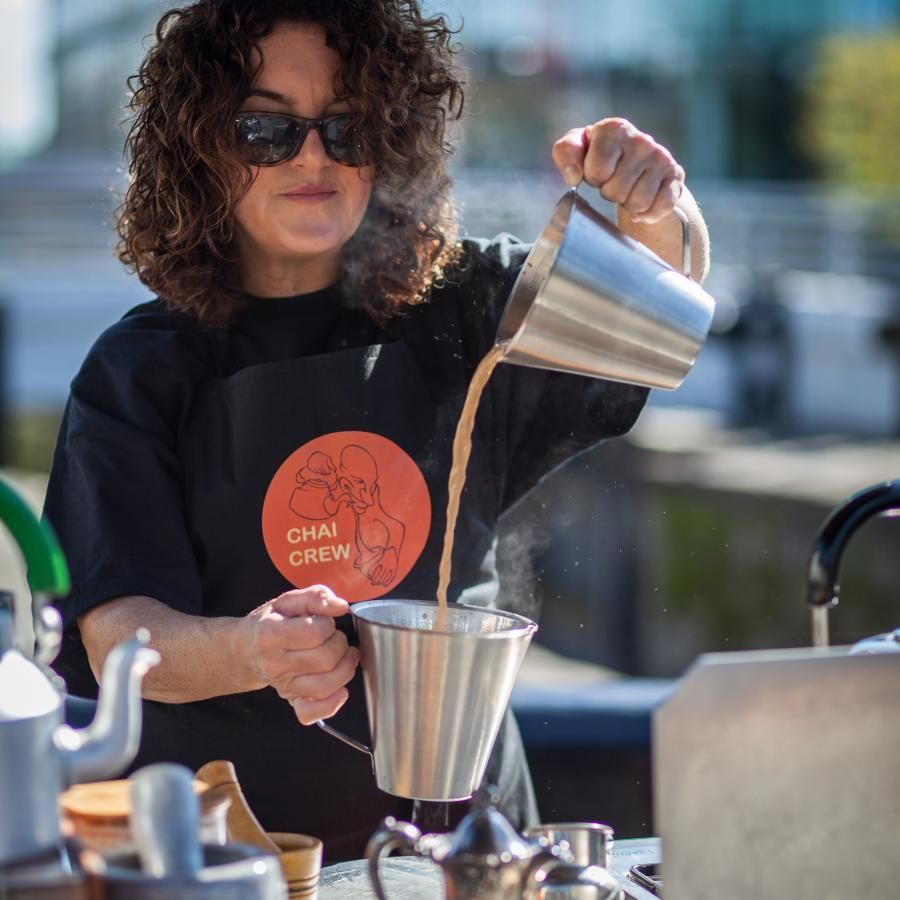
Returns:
point(312, 194)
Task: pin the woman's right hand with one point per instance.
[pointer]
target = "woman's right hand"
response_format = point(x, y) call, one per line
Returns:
point(295, 647)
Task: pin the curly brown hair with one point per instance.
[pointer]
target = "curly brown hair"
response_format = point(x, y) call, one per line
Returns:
point(175, 223)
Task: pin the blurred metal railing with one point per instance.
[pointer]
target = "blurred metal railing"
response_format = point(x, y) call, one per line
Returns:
point(773, 225)
point(60, 206)
point(65, 206)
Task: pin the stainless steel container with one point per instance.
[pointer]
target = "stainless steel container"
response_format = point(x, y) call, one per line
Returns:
point(775, 774)
point(589, 842)
point(591, 300)
point(435, 696)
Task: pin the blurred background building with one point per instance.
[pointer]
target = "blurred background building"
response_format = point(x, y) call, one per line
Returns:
point(693, 534)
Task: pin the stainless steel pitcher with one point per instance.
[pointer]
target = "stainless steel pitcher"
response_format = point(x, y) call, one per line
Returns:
point(593, 301)
point(435, 696)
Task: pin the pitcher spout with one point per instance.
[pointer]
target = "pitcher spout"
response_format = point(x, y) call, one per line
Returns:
point(110, 742)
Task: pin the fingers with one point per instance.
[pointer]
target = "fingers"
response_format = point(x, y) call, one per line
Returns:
point(628, 167)
point(320, 685)
point(310, 711)
point(568, 154)
point(608, 151)
point(285, 664)
point(294, 637)
point(317, 600)
point(667, 197)
point(315, 696)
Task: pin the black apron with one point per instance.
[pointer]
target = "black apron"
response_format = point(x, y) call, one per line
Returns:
point(243, 429)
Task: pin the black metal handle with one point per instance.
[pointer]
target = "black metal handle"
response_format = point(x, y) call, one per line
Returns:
point(822, 580)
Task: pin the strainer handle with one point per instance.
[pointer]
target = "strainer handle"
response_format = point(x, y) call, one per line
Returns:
point(685, 240)
point(349, 741)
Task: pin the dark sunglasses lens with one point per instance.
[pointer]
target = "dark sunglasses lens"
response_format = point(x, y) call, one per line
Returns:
point(266, 140)
point(341, 142)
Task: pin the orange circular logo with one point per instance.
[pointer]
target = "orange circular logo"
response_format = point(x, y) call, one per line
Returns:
point(349, 510)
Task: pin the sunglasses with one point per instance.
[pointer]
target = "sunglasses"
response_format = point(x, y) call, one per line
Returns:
point(267, 139)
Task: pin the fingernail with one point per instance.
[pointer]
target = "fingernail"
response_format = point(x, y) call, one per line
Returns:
point(572, 175)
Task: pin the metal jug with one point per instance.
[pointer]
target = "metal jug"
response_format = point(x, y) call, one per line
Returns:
point(587, 877)
point(593, 301)
point(822, 586)
point(435, 696)
point(484, 859)
point(39, 754)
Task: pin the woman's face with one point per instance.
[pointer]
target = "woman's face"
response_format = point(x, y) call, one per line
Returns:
point(297, 216)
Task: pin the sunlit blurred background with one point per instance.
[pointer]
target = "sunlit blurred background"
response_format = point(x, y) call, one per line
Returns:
point(693, 533)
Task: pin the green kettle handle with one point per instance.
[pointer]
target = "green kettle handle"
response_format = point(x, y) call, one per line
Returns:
point(47, 572)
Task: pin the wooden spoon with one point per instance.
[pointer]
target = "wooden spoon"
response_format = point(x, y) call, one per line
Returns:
point(243, 826)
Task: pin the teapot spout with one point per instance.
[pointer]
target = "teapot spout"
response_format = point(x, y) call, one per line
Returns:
point(110, 742)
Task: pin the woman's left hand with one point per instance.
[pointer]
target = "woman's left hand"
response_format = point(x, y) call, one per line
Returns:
point(628, 167)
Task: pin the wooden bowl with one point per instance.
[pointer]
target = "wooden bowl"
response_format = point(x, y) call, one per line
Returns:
point(300, 856)
point(96, 814)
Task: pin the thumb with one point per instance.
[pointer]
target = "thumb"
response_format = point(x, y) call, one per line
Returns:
point(317, 600)
point(568, 154)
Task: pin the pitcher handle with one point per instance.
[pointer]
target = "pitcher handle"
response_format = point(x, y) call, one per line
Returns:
point(392, 835)
point(346, 739)
point(682, 216)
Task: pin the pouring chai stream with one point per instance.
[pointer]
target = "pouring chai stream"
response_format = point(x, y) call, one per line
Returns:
point(591, 301)
point(462, 449)
point(588, 300)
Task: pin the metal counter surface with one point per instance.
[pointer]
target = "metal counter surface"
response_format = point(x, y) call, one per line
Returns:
point(408, 878)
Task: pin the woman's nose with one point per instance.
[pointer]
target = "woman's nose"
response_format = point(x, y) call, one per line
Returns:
point(312, 150)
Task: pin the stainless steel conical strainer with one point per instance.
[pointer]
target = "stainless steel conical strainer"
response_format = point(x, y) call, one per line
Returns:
point(435, 695)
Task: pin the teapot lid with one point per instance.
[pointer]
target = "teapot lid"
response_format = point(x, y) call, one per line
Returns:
point(486, 833)
point(25, 692)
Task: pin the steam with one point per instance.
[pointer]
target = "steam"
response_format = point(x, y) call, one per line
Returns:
point(521, 538)
point(384, 252)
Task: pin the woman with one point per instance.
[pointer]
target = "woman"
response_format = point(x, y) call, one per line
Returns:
point(270, 439)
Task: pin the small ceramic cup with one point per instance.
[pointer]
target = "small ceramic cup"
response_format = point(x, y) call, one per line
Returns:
point(301, 859)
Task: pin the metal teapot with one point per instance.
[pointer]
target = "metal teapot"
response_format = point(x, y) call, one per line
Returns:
point(39, 754)
point(484, 859)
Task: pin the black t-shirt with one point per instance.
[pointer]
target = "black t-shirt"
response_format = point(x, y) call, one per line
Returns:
point(123, 486)
point(115, 495)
